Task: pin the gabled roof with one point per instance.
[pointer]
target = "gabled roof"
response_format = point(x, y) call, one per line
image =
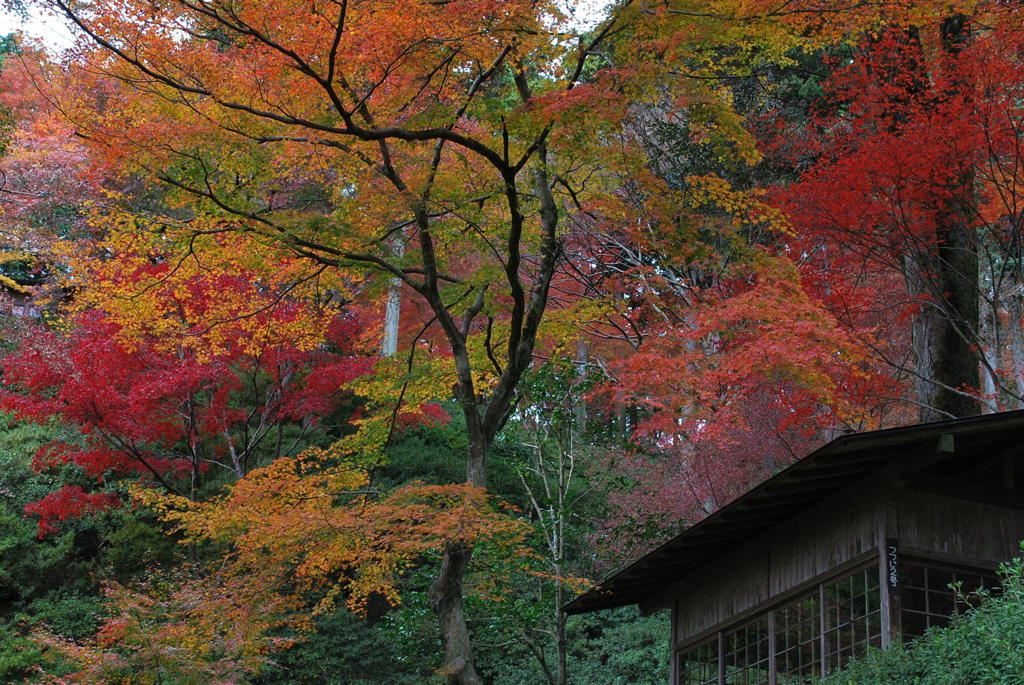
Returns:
point(808, 481)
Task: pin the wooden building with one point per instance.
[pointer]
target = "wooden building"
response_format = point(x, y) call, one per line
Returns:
point(855, 545)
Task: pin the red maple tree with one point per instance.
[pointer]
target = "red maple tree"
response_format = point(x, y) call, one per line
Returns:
point(178, 414)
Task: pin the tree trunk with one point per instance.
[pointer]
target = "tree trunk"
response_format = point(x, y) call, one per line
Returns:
point(1015, 337)
point(993, 339)
point(561, 644)
point(945, 333)
point(485, 417)
point(392, 306)
point(445, 595)
point(445, 592)
point(581, 376)
point(392, 318)
point(991, 376)
point(558, 526)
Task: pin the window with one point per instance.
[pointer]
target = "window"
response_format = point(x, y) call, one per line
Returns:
point(926, 598)
point(853, 617)
point(798, 640)
point(802, 640)
point(699, 666)
point(821, 631)
point(746, 654)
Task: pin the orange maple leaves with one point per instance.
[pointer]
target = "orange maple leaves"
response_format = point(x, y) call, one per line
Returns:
point(320, 525)
point(295, 537)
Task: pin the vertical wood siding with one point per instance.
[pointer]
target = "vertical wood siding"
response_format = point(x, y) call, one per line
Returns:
point(958, 528)
point(831, 534)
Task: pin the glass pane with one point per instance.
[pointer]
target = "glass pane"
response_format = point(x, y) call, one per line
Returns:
point(936, 594)
point(939, 577)
point(746, 654)
point(853, 617)
point(913, 575)
point(913, 599)
point(798, 641)
point(699, 666)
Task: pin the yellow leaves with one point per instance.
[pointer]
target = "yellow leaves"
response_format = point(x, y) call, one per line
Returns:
point(575, 584)
point(769, 30)
point(198, 285)
point(162, 503)
point(182, 626)
point(688, 52)
point(745, 206)
point(13, 285)
point(393, 393)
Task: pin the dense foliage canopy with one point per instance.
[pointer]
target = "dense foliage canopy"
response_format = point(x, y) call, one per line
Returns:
point(347, 339)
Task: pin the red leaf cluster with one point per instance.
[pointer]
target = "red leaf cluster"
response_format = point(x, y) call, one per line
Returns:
point(170, 413)
point(70, 501)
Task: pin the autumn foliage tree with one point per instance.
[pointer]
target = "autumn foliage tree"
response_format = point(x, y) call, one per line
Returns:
point(172, 402)
point(459, 149)
point(436, 143)
point(44, 178)
point(297, 536)
point(717, 332)
point(910, 204)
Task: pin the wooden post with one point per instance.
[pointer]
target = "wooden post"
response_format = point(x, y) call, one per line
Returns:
point(721, 657)
point(883, 596)
point(822, 642)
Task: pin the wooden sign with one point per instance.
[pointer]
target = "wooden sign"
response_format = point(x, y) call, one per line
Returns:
point(892, 564)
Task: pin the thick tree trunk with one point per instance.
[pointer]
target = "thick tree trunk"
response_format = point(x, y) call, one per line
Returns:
point(946, 332)
point(1015, 337)
point(392, 306)
point(392, 318)
point(446, 591)
point(445, 597)
point(485, 417)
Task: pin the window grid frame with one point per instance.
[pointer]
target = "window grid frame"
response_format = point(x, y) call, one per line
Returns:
point(762, 646)
point(848, 636)
point(989, 580)
point(869, 567)
point(712, 643)
point(874, 637)
point(806, 640)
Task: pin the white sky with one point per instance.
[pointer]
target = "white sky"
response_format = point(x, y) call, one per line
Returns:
point(589, 12)
point(50, 30)
point(53, 32)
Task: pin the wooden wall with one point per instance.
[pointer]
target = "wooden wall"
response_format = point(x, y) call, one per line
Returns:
point(836, 532)
point(842, 531)
point(956, 528)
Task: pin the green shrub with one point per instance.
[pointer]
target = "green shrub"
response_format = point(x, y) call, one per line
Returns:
point(22, 658)
point(66, 612)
